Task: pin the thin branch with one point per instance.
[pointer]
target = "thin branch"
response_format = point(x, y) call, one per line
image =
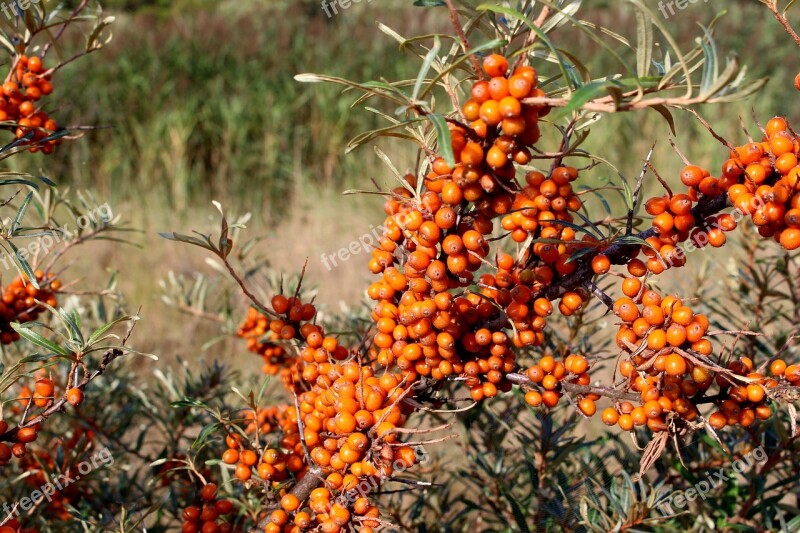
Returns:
point(574, 388)
point(772, 5)
point(476, 66)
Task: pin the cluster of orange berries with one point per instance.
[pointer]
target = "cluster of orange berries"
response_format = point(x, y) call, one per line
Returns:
point(348, 417)
point(331, 516)
point(419, 228)
point(18, 303)
point(496, 114)
point(653, 325)
point(38, 464)
point(254, 327)
point(667, 366)
point(549, 374)
point(273, 465)
point(28, 84)
point(767, 190)
point(205, 517)
point(440, 336)
point(500, 133)
point(538, 206)
point(761, 181)
point(22, 438)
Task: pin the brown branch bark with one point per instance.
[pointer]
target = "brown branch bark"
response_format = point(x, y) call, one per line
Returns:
point(476, 66)
point(773, 6)
point(302, 490)
point(574, 388)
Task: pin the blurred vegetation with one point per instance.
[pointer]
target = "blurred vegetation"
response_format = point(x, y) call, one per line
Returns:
point(201, 101)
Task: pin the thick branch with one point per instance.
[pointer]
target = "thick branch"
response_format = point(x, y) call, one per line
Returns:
point(302, 490)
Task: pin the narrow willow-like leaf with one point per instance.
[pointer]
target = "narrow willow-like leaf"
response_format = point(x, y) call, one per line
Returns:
point(38, 339)
point(444, 140)
point(664, 111)
point(21, 213)
point(23, 264)
point(430, 57)
point(644, 43)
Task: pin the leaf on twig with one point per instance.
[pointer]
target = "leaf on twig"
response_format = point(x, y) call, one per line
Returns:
point(652, 452)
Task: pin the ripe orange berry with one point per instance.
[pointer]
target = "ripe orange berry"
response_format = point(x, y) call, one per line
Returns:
point(587, 407)
point(75, 396)
point(626, 309)
point(631, 287)
point(775, 125)
point(755, 393)
point(610, 416)
point(637, 268)
point(626, 422)
point(652, 409)
point(792, 373)
point(691, 176)
point(663, 223)
point(790, 238)
point(495, 65)
point(550, 398)
point(290, 503)
point(519, 86)
point(230, 456)
point(777, 367)
point(26, 435)
point(601, 264)
point(718, 420)
point(675, 365)
point(533, 398)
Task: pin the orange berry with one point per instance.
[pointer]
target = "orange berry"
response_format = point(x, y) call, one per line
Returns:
point(610, 416)
point(675, 365)
point(587, 407)
point(777, 367)
point(75, 396)
point(601, 264)
point(631, 287)
point(290, 503)
point(533, 398)
point(495, 65)
point(790, 238)
point(718, 420)
point(691, 176)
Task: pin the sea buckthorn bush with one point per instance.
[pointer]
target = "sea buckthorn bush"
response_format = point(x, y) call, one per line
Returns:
point(524, 358)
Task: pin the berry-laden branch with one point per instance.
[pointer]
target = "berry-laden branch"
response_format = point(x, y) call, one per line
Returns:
point(70, 397)
point(580, 390)
point(621, 254)
point(451, 307)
